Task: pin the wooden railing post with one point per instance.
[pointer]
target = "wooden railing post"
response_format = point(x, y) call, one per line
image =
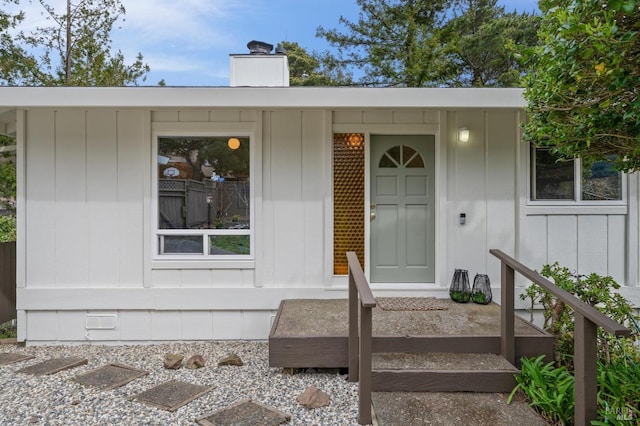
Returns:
point(353, 329)
point(364, 409)
point(361, 303)
point(507, 332)
point(585, 363)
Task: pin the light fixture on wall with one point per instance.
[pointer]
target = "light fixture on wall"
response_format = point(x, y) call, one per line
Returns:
point(233, 143)
point(463, 134)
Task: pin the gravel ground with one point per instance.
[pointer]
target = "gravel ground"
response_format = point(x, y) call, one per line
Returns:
point(58, 400)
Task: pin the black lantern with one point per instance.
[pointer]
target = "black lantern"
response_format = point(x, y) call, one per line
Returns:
point(481, 292)
point(460, 291)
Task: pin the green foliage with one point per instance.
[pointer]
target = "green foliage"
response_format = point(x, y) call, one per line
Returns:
point(307, 69)
point(7, 229)
point(74, 50)
point(595, 290)
point(583, 82)
point(7, 331)
point(7, 177)
point(483, 44)
point(618, 393)
point(422, 43)
point(549, 388)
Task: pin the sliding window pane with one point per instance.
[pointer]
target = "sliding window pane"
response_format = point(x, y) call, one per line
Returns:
point(554, 179)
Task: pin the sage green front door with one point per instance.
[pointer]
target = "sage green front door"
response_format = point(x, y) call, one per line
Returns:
point(402, 208)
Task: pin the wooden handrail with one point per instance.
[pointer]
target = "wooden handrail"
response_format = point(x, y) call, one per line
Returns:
point(576, 304)
point(366, 296)
point(360, 337)
point(587, 321)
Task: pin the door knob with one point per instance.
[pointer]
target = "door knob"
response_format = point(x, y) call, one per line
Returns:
point(373, 216)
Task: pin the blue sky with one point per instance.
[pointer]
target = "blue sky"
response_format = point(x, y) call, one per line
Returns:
point(188, 42)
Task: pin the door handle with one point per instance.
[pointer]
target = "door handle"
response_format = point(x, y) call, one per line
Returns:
point(373, 216)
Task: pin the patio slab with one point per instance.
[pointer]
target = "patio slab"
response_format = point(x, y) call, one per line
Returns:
point(110, 376)
point(53, 366)
point(10, 358)
point(172, 395)
point(245, 413)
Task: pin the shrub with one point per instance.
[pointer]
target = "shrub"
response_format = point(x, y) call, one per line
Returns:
point(7, 229)
point(551, 388)
point(595, 290)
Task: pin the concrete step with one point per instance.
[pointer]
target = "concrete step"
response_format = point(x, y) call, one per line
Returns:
point(451, 408)
point(441, 372)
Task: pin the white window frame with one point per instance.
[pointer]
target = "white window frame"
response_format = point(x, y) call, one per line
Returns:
point(577, 189)
point(159, 260)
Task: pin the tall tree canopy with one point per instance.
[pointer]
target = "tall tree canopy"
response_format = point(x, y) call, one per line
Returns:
point(74, 50)
point(427, 43)
point(310, 69)
point(482, 44)
point(584, 81)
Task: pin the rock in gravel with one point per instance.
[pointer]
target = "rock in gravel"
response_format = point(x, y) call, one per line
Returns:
point(173, 361)
point(196, 361)
point(231, 359)
point(313, 397)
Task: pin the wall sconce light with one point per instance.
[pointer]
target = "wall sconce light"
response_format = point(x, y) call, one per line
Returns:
point(463, 134)
point(233, 143)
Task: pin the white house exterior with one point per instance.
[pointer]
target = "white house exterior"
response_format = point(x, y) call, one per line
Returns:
point(90, 266)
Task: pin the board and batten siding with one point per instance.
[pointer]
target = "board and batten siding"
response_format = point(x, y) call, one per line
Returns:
point(84, 184)
point(87, 178)
point(88, 186)
point(482, 185)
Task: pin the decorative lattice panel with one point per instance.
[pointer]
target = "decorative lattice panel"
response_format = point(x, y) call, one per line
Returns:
point(348, 199)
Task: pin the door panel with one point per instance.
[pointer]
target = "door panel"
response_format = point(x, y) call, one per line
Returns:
point(402, 206)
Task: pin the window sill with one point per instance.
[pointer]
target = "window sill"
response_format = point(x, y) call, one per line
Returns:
point(202, 264)
point(575, 209)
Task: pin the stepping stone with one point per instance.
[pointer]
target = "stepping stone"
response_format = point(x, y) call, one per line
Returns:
point(10, 358)
point(110, 376)
point(245, 413)
point(53, 366)
point(172, 395)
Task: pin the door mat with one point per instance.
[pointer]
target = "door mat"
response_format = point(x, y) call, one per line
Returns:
point(172, 395)
point(10, 358)
point(412, 304)
point(110, 376)
point(53, 366)
point(245, 413)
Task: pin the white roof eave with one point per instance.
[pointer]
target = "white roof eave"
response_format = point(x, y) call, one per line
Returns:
point(260, 97)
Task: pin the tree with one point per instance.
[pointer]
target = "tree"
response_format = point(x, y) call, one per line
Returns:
point(10, 54)
point(483, 41)
point(583, 85)
point(76, 49)
point(307, 69)
point(395, 43)
point(423, 43)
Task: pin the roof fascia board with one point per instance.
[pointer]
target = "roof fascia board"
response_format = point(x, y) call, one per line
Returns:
point(252, 97)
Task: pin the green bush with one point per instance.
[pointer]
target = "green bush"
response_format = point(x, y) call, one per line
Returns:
point(551, 388)
point(595, 290)
point(7, 229)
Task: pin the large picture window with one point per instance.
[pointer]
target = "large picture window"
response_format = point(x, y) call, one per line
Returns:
point(569, 180)
point(203, 196)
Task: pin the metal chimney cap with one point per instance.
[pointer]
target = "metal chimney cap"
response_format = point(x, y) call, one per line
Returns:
point(259, 47)
point(281, 50)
